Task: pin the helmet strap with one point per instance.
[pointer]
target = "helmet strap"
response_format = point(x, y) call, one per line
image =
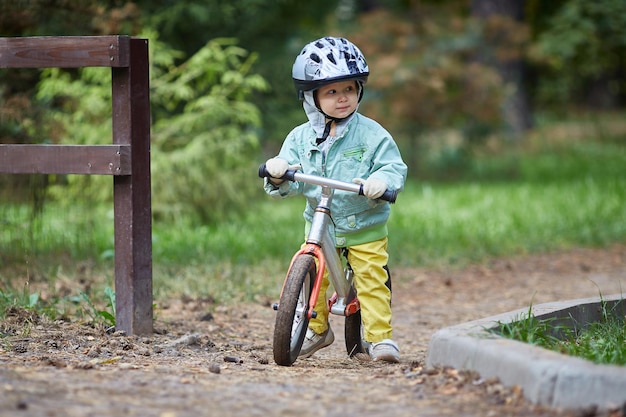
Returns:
point(327, 128)
point(331, 119)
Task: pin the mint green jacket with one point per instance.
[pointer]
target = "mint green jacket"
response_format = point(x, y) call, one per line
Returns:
point(364, 149)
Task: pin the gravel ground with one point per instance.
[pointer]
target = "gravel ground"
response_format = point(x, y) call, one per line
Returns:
point(217, 360)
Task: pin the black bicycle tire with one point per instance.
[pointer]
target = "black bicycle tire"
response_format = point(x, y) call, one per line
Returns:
point(287, 341)
point(353, 334)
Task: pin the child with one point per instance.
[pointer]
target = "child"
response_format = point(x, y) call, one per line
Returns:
point(339, 143)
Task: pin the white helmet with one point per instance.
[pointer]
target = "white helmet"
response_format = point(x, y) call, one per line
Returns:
point(328, 60)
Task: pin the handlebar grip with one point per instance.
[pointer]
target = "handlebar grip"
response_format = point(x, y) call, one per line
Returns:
point(289, 175)
point(388, 195)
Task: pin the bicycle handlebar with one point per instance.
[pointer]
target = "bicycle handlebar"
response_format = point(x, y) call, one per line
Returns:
point(293, 175)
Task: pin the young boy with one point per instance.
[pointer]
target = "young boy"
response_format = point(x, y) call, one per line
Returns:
point(339, 143)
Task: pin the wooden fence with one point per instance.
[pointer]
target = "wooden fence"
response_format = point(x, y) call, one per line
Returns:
point(127, 159)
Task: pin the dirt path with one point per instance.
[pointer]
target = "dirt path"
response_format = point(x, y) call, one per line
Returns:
point(221, 363)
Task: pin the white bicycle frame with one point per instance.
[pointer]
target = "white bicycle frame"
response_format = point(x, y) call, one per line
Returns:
point(320, 235)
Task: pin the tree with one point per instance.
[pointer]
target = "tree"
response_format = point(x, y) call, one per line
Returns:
point(580, 48)
point(204, 135)
point(505, 36)
point(423, 79)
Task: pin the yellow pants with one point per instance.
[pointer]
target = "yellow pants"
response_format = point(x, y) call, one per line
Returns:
point(369, 262)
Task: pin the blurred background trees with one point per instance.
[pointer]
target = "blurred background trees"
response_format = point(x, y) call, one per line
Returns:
point(446, 76)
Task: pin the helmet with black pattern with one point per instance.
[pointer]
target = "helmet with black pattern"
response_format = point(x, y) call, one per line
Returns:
point(328, 60)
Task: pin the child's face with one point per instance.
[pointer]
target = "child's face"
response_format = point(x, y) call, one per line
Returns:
point(338, 99)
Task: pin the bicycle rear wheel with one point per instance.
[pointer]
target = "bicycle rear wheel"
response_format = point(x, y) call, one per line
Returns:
point(353, 333)
point(292, 318)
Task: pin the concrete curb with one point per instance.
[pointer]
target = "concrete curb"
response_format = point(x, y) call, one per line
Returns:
point(547, 378)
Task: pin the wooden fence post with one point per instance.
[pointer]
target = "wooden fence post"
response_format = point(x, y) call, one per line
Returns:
point(127, 160)
point(133, 212)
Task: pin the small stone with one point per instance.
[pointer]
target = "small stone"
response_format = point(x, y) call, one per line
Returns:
point(215, 368)
point(20, 348)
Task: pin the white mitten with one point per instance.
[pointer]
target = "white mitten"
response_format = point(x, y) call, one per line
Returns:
point(276, 167)
point(372, 188)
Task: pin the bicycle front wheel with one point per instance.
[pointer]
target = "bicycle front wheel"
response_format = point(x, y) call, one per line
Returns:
point(292, 318)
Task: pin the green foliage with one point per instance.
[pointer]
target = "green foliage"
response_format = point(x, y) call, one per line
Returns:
point(583, 42)
point(602, 342)
point(260, 25)
point(106, 316)
point(66, 17)
point(204, 135)
point(15, 300)
point(23, 299)
point(423, 76)
point(275, 30)
point(31, 305)
point(79, 105)
point(78, 112)
point(204, 138)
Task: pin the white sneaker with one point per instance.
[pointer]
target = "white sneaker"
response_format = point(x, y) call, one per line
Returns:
point(314, 342)
point(387, 351)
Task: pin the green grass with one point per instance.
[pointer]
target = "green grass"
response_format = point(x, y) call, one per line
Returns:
point(471, 221)
point(601, 342)
point(529, 329)
point(604, 343)
point(58, 307)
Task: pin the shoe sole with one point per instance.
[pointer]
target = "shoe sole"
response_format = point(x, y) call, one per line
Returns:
point(387, 358)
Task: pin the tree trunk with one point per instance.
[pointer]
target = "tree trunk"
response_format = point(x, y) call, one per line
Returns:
point(504, 35)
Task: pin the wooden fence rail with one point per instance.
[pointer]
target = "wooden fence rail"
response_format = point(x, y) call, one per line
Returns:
point(127, 159)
